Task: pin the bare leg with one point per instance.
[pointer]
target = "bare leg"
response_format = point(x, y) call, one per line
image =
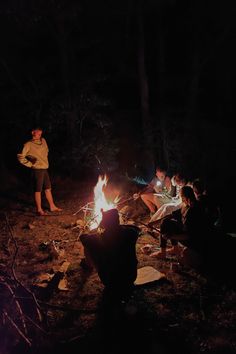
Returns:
point(175, 251)
point(159, 254)
point(37, 197)
point(53, 207)
point(148, 199)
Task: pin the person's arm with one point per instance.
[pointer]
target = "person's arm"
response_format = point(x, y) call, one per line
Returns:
point(150, 186)
point(176, 215)
point(45, 143)
point(147, 189)
point(22, 157)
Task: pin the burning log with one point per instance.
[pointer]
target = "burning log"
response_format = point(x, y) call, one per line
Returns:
point(93, 210)
point(101, 202)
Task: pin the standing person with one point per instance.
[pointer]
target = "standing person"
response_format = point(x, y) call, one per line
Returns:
point(158, 191)
point(112, 253)
point(34, 155)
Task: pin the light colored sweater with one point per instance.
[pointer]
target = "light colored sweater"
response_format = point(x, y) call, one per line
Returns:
point(34, 149)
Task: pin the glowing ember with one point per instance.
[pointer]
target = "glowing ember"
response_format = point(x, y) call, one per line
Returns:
point(101, 202)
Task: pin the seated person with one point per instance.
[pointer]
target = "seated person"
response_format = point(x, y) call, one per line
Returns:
point(207, 203)
point(205, 246)
point(158, 192)
point(186, 226)
point(113, 252)
point(178, 181)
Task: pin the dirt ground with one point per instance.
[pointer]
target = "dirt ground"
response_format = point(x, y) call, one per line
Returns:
point(185, 312)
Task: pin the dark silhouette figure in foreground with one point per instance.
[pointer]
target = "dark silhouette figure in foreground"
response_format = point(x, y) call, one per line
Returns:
point(113, 253)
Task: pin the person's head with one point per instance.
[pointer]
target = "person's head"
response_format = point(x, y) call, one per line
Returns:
point(187, 195)
point(198, 188)
point(36, 133)
point(179, 180)
point(110, 219)
point(161, 173)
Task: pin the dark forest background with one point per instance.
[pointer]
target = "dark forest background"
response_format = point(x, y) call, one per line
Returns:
point(120, 86)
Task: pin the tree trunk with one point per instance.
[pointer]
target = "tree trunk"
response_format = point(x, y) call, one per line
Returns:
point(163, 145)
point(193, 88)
point(61, 37)
point(144, 95)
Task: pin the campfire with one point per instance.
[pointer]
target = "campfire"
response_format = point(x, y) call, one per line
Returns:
point(101, 202)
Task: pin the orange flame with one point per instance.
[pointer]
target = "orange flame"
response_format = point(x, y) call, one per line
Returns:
point(101, 202)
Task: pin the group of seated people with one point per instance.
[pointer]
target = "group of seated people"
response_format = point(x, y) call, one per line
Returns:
point(186, 217)
point(197, 240)
point(190, 219)
point(191, 225)
point(162, 195)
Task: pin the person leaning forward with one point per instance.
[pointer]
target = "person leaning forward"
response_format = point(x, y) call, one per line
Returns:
point(158, 192)
point(34, 155)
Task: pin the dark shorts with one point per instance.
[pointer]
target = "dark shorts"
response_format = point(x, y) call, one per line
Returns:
point(41, 180)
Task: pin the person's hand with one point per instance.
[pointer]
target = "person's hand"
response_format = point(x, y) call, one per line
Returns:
point(159, 195)
point(136, 196)
point(31, 158)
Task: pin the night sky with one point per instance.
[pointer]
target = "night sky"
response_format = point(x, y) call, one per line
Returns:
point(121, 86)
